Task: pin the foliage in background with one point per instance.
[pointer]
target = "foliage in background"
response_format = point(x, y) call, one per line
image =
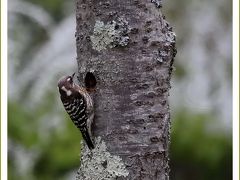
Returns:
point(35, 153)
point(44, 144)
point(197, 151)
point(54, 7)
point(203, 79)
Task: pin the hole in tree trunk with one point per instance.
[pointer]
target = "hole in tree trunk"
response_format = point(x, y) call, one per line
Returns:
point(90, 81)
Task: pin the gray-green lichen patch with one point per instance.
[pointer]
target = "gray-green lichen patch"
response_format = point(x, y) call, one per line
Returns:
point(99, 164)
point(111, 34)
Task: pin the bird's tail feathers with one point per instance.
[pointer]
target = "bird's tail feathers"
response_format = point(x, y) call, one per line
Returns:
point(87, 138)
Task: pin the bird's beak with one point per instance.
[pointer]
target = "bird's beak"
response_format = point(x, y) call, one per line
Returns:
point(73, 75)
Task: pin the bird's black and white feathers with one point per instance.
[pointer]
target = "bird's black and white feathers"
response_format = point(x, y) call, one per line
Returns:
point(79, 105)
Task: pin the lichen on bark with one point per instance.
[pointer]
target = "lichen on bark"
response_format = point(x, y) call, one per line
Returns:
point(99, 164)
point(109, 35)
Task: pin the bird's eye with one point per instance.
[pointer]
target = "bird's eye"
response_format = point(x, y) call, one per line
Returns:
point(68, 79)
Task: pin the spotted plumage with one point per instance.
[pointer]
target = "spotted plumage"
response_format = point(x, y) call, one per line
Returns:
point(79, 105)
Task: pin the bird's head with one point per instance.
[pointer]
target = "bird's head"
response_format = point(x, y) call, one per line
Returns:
point(65, 85)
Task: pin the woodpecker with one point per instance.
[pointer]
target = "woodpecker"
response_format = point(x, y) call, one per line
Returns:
point(79, 105)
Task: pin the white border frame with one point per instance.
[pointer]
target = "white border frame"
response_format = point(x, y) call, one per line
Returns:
point(4, 84)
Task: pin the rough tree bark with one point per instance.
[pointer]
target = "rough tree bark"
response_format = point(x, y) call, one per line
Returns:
point(129, 47)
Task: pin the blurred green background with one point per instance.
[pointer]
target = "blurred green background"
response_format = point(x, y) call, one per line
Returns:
point(42, 141)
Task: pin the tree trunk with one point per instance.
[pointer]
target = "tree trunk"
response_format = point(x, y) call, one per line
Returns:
point(129, 47)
